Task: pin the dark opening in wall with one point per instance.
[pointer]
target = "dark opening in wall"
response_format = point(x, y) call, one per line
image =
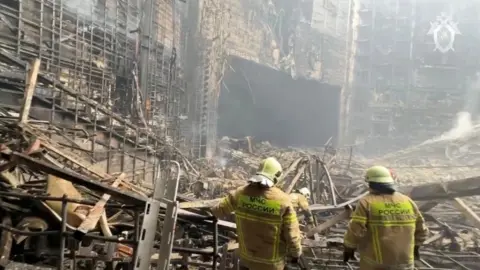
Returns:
point(271, 106)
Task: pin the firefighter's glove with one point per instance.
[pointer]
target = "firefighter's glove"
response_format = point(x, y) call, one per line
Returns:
point(416, 252)
point(348, 254)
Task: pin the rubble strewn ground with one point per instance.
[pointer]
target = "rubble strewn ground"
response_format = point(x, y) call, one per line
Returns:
point(39, 163)
point(107, 172)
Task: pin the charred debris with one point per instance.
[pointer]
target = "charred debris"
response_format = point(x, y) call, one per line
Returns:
point(80, 168)
point(60, 209)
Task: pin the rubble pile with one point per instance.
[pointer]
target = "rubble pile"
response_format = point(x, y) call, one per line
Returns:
point(44, 182)
point(37, 170)
point(444, 158)
point(41, 168)
point(235, 162)
point(336, 181)
point(66, 182)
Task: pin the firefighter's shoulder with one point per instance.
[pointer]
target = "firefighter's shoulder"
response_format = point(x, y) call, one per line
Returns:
point(238, 192)
point(365, 200)
point(405, 198)
point(400, 196)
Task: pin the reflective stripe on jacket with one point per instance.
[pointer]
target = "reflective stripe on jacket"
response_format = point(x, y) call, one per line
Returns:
point(300, 203)
point(267, 225)
point(385, 228)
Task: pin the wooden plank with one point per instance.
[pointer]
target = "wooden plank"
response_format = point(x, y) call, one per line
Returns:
point(29, 90)
point(467, 212)
point(290, 186)
point(96, 212)
point(290, 169)
point(199, 204)
point(330, 222)
point(78, 179)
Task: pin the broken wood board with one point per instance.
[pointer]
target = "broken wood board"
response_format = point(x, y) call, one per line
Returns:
point(292, 183)
point(57, 187)
point(29, 90)
point(199, 204)
point(290, 169)
point(98, 209)
point(467, 212)
point(345, 215)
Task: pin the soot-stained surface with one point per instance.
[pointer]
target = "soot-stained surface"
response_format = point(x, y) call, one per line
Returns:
point(271, 106)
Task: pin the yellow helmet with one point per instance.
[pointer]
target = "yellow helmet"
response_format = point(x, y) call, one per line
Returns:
point(270, 168)
point(305, 192)
point(379, 174)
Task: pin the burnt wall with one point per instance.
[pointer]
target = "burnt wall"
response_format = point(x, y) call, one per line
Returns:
point(271, 106)
point(89, 54)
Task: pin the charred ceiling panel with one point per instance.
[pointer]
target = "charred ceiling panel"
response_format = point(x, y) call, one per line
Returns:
point(269, 105)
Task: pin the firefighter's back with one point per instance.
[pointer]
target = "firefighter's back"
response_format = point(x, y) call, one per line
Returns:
point(299, 201)
point(391, 228)
point(259, 214)
point(295, 199)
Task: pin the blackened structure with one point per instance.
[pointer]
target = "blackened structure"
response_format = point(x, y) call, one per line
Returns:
point(276, 108)
point(115, 69)
point(302, 39)
point(408, 87)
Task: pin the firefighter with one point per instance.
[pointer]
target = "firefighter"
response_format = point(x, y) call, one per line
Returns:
point(386, 226)
point(267, 224)
point(300, 204)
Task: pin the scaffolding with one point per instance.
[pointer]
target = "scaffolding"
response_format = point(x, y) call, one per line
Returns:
point(406, 89)
point(115, 82)
point(209, 71)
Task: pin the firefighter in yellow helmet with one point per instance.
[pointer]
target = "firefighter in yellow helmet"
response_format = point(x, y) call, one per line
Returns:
point(386, 227)
point(300, 203)
point(267, 224)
